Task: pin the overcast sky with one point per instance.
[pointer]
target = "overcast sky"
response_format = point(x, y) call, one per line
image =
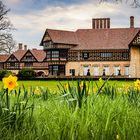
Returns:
point(32, 17)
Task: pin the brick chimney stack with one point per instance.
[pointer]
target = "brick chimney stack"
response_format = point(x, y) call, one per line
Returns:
point(20, 46)
point(132, 22)
point(25, 47)
point(101, 23)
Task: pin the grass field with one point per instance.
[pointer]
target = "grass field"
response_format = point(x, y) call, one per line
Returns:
point(53, 84)
point(111, 112)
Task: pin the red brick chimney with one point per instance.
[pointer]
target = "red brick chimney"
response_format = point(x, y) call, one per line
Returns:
point(20, 46)
point(132, 22)
point(25, 47)
point(101, 23)
point(108, 22)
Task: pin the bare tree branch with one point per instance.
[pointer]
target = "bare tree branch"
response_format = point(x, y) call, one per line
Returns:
point(7, 44)
point(133, 3)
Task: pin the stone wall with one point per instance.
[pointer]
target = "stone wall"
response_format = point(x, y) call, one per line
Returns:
point(135, 62)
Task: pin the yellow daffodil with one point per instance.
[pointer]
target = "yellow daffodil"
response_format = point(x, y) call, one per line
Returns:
point(10, 82)
point(118, 137)
point(101, 80)
point(66, 86)
point(37, 91)
point(137, 84)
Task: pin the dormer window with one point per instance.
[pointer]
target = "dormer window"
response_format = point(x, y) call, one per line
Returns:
point(47, 43)
point(28, 57)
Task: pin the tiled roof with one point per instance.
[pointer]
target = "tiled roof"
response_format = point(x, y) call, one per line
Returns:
point(61, 36)
point(93, 39)
point(39, 54)
point(19, 54)
point(4, 57)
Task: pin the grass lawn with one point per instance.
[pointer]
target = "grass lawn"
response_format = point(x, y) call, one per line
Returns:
point(111, 113)
point(53, 84)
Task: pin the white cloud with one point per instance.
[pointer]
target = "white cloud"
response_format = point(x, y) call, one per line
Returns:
point(70, 18)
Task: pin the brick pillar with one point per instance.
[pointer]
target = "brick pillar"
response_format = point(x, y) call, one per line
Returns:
point(101, 24)
point(104, 23)
point(97, 24)
point(93, 23)
point(108, 22)
point(131, 22)
point(20, 46)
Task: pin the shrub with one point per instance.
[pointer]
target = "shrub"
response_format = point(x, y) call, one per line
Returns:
point(4, 73)
point(27, 74)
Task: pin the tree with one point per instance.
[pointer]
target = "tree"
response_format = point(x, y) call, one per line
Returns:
point(133, 3)
point(7, 44)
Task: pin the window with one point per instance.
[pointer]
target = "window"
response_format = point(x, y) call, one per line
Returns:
point(106, 55)
point(72, 72)
point(28, 64)
point(12, 64)
point(55, 54)
point(96, 70)
point(63, 54)
point(47, 44)
point(85, 70)
point(125, 55)
point(85, 55)
point(29, 57)
point(57, 70)
point(106, 70)
point(48, 54)
point(116, 70)
point(126, 70)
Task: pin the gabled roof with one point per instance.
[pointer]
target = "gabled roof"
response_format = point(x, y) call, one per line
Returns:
point(136, 39)
point(19, 54)
point(10, 56)
point(61, 36)
point(38, 54)
point(94, 39)
point(4, 57)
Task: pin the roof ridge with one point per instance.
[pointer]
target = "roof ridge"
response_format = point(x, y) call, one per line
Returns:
point(63, 30)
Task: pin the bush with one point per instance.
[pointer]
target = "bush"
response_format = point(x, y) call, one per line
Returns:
point(4, 73)
point(27, 74)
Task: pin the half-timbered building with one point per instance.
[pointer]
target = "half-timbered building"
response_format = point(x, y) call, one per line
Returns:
point(25, 58)
point(99, 51)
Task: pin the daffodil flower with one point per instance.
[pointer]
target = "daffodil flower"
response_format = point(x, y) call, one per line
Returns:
point(137, 84)
point(10, 82)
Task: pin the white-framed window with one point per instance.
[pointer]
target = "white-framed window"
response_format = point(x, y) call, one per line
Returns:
point(116, 70)
point(95, 70)
point(126, 70)
point(106, 69)
point(85, 70)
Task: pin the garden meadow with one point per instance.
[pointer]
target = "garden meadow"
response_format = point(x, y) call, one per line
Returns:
point(72, 110)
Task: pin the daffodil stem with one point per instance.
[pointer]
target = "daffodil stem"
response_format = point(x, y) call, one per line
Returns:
point(7, 99)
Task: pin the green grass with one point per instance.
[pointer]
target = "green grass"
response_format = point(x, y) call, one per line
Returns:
point(73, 114)
point(53, 84)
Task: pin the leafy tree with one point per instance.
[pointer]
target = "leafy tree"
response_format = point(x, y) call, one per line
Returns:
point(7, 44)
point(4, 73)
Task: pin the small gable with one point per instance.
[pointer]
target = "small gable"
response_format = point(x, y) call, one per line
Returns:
point(28, 57)
point(136, 40)
point(46, 37)
point(12, 58)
